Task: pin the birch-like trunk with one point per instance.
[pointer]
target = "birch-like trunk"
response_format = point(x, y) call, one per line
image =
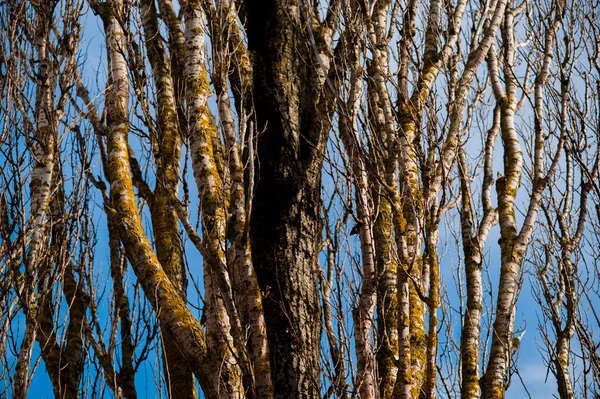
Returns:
point(514, 241)
point(365, 312)
point(40, 187)
point(180, 381)
point(165, 298)
point(224, 367)
point(473, 252)
point(245, 284)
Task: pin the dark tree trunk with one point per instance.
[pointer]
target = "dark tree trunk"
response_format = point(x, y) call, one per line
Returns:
point(285, 223)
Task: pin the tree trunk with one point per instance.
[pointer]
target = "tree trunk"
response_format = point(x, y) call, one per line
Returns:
point(285, 223)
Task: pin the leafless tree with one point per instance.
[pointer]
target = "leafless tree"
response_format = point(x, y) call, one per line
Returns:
point(315, 156)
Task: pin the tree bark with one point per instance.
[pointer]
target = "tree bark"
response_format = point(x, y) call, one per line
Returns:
point(285, 222)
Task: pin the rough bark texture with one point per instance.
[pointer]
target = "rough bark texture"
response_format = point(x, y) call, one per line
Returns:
point(41, 187)
point(259, 125)
point(221, 318)
point(169, 251)
point(364, 313)
point(285, 223)
point(472, 248)
point(165, 298)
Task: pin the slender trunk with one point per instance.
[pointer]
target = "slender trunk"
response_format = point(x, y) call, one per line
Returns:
point(162, 295)
point(494, 380)
point(472, 247)
point(433, 303)
point(382, 119)
point(40, 188)
point(180, 381)
point(222, 321)
point(364, 314)
point(387, 299)
point(21, 378)
point(126, 376)
point(506, 186)
point(513, 243)
point(63, 360)
point(245, 284)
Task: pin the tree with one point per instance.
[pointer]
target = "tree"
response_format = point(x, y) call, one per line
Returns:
point(260, 138)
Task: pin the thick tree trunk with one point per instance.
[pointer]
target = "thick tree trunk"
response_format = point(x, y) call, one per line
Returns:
point(285, 224)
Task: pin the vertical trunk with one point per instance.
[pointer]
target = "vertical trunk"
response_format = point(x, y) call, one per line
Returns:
point(411, 320)
point(568, 270)
point(222, 320)
point(364, 314)
point(562, 304)
point(513, 243)
point(40, 187)
point(507, 186)
point(561, 359)
point(382, 119)
point(472, 247)
point(126, 376)
point(387, 298)
point(470, 337)
point(285, 223)
point(494, 380)
point(63, 359)
point(21, 379)
point(227, 50)
point(180, 381)
point(433, 302)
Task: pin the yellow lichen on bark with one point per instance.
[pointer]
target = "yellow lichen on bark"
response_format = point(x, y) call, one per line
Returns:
point(222, 319)
point(122, 210)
